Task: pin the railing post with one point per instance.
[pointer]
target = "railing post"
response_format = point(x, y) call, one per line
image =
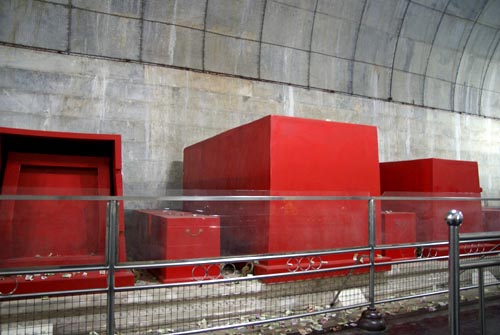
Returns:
point(371, 319)
point(482, 311)
point(454, 219)
point(111, 253)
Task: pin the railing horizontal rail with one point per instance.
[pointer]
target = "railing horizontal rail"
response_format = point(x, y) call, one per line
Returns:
point(410, 245)
point(480, 264)
point(243, 198)
point(413, 296)
point(51, 269)
point(234, 259)
point(247, 278)
point(270, 320)
point(53, 293)
point(483, 236)
point(414, 260)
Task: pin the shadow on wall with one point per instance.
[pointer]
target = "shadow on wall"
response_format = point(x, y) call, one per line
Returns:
point(174, 178)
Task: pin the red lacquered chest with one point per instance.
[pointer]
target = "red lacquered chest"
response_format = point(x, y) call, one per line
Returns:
point(58, 232)
point(280, 155)
point(434, 178)
point(175, 235)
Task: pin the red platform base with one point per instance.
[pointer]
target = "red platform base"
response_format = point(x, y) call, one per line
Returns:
point(314, 263)
point(468, 248)
point(62, 282)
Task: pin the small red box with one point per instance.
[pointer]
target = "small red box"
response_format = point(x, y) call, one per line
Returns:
point(58, 232)
point(398, 228)
point(433, 178)
point(280, 155)
point(175, 235)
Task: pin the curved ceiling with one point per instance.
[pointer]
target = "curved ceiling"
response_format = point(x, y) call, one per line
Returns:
point(435, 53)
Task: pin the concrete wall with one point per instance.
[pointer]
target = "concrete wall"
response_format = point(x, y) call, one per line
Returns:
point(159, 111)
point(434, 53)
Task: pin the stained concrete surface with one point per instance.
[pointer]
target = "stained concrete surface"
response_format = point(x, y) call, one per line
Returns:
point(436, 322)
point(439, 54)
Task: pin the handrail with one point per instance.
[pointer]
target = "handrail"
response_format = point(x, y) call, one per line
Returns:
point(243, 197)
point(484, 263)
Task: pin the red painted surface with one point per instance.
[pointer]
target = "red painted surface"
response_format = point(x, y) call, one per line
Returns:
point(174, 235)
point(58, 232)
point(284, 155)
point(63, 282)
point(491, 217)
point(328, 262)
point(36, 228)
point(433, 178)
point(398, 228)
point(430, 175)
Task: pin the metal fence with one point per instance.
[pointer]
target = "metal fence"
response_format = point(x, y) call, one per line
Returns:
point(290, 288)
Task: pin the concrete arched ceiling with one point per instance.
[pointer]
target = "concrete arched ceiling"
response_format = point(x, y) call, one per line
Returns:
point(435, 53)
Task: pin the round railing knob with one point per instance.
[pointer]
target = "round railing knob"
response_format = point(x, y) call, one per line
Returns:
point(454, 218)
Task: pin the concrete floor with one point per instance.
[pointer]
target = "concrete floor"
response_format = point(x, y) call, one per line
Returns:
point(436, 323)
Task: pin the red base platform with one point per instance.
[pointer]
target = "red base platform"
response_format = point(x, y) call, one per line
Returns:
point(61, 282)
point(433, 178)
point(303, 265)
point(57, 232)
point(466, 248)
point(280, 155)
point(174, 235)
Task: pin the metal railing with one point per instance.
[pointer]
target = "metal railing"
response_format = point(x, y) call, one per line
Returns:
point(224, 301)
point(454, 220)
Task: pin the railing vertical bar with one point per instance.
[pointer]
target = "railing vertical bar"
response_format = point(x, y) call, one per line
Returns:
point(371, 319)
point(371, 234)
point(111, 262)
point(482, 311)
point(454, 219)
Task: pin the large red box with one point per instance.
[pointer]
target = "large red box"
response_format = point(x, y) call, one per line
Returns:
point(491, 218)
point(433, 177)
point(398, 228)
point(174, 235)
point(58, 232)
point(280, 155)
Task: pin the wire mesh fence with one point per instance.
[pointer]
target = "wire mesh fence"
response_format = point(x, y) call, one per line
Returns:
point(73, 314)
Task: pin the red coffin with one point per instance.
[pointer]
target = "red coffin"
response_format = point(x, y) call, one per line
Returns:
point(174, 235)
point(434, 178)
point(283, 155)
point(58, 232)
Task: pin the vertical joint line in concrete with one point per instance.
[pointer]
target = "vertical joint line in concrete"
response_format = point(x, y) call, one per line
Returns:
point(141, 37)
point(70, 19)
point(483, 80)
point(260, 39)
point(310, 46)
point(204, 37)
point(396, 47)
point(350, 89)
point(453, 87)
point(430, 51)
